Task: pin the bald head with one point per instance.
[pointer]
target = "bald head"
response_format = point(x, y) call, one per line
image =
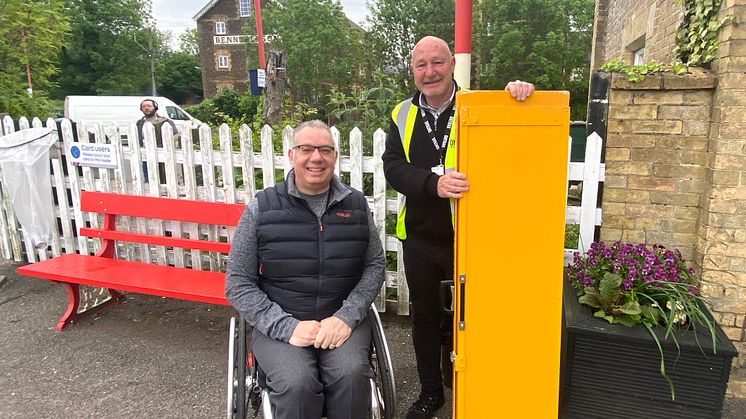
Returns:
point(430, 42)
point(432, 67)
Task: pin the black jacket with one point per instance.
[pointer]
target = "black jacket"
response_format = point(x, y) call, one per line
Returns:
point(301, 258)
point(428, 216)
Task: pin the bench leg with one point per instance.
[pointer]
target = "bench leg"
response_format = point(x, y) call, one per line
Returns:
point(73, 297)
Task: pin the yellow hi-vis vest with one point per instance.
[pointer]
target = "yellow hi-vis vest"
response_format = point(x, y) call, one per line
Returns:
point(404, 115)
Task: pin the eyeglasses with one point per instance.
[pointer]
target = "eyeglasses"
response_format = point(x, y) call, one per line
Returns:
point(324, 150)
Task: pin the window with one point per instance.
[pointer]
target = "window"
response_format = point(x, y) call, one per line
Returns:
point(176, 113)
point(220, 28)
point(244, 8)
point(222, 61)
point(638, 57)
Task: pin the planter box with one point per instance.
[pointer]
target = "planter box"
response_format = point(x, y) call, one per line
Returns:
point(613, 371)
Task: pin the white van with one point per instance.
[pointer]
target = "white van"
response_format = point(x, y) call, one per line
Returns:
point(122, 110)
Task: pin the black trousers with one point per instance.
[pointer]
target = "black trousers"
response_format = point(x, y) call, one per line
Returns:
point(426, 264)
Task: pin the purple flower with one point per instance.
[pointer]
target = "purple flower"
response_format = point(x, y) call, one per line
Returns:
point(627, 284)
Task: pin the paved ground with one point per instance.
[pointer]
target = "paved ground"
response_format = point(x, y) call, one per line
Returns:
point(148, 357)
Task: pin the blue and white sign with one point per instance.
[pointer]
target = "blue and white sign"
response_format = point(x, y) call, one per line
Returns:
point(92, 155)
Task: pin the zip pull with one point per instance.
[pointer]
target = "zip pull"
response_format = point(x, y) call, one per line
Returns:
point(321, 227)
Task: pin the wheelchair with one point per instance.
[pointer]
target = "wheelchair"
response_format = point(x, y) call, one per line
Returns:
point(249, 397)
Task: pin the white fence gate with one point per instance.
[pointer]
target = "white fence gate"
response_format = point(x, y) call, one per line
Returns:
point(231, 172)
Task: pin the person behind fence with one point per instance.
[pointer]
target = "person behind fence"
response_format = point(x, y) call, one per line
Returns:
point(419, 161)
point(305, 265)
point(149, 109)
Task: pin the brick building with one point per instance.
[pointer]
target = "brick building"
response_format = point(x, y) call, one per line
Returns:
point(222, 44)
point(676, 152)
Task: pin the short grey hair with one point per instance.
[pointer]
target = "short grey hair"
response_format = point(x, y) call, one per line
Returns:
point(314, 123)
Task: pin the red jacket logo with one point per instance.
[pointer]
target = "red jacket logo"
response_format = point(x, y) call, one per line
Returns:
point(344, 214)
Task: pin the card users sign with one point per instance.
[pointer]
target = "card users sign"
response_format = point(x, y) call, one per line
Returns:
point(92, 155)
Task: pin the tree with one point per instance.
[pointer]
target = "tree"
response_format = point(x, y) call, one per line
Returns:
point(31, 35)
point(546, 42)
point(323, 50)
point(107, 54)
point(179, 76)
point(189, 42)
point(179, 73)
point(395, 27)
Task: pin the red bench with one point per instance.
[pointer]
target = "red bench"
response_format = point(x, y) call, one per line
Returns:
point(103, 270)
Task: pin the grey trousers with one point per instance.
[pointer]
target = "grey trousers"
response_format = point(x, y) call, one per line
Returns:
point(302, 380)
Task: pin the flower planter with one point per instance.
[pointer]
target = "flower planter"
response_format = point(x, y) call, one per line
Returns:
point(613, 371)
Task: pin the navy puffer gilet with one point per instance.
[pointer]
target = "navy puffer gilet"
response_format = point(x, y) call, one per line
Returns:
point(306, 267)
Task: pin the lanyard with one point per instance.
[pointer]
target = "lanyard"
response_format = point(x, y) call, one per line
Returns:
point(439, 147)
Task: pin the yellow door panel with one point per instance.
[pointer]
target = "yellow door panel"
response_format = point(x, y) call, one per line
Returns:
point(509, 254)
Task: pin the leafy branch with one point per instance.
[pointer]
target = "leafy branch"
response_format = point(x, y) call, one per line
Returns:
point(697, 35)
point(637, 73)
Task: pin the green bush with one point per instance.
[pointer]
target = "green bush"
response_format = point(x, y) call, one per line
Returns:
point(572, 233)
point(227, 107)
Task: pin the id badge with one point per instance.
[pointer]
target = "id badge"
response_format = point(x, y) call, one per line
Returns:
point(438, 170)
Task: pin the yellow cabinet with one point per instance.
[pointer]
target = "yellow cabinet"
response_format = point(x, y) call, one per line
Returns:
point(509, 254)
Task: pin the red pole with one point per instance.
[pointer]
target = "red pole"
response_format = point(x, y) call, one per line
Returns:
point(260, 34)
point(462, 47)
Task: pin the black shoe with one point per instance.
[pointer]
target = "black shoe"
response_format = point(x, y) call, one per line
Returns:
point(425, 406)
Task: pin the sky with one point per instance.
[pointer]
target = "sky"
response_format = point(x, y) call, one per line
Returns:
point(176, 15)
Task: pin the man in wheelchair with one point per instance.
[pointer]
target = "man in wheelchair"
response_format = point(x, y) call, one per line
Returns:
point(305, 265)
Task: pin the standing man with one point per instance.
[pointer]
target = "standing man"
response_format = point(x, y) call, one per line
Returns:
point(304, 267)
point(149, 109)
point(419, 162)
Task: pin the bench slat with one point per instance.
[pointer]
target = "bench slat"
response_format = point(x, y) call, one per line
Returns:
point(156, 240)
point(164, 281)
point(185, 210)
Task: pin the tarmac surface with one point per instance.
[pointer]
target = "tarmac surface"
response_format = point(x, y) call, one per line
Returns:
point(147, 357)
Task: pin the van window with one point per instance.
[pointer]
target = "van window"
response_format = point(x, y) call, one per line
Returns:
point(176, 113)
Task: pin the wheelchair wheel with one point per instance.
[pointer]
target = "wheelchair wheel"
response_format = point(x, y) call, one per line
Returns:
point(237, 357)
point(241, 359)
point(382, 368)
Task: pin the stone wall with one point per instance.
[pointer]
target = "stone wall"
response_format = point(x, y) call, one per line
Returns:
point(656, 157)
point(676, 154)
point(623, 26)
point(722, 231)
point(676, 175)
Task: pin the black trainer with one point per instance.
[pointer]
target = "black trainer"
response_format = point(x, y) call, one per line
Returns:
point(425, 406)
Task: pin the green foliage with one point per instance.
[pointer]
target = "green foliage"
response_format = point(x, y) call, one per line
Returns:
point(227, 107)
point(31, 33)
point(179, 76)
point(323, 50)
point(637, 73)
point(546, 42)
point(107, 51)
point(367, 108)
point(395, 27)
point(572, 235)
point(189, 42)
point(697, 35)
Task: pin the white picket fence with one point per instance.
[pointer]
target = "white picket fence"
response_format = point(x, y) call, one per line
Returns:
point(202, 172)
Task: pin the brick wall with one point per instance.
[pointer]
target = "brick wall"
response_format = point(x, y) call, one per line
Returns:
point(236, 76)
point(656, 156)
point(722, 231)
point(676, 157)
point(623, 26)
